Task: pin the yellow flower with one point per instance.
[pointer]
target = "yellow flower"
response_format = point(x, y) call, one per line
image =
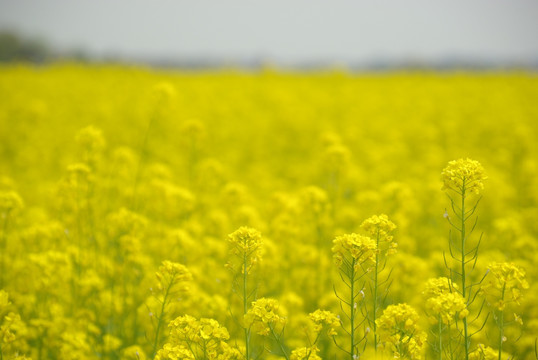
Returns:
point(174, 352)
point(379, 227)
point(10, 201)
point(442, 300)
point(91, 142)
point(357, 247)
point(246, 244)
point(325, 318)
point(191, 338)
point(4, 301)
point(504, 284)
point(483, 353)
point(399, 331)
point(438, 286)
point(464, 176)
point(305, 353)
point(447, 306)
point(173, 278)
point(264, 316)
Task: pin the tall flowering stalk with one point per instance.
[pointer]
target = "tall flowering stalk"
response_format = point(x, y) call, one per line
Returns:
point(355, 256)
point(172, 281)
point(399, 332)
point(323, 322)
point(461, 179)
point(336, 163)
point(503, 287)
point(445, 307)
point(380, 228)
point(265, 318)
point(162, 95)
point(91, 143)
point(245, 248)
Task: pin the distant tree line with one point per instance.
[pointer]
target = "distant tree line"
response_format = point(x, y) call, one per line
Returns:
point(17, 48)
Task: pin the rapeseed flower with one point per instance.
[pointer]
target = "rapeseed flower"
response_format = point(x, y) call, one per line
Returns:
point(464, 176)
point(504, 284)
point(10, 201)
point(264, 316)
point(305, 353)
point(483, 353)
point(400, 333)
point(443, 301)
point(245, 244)
point(192, 338)
point(354, 248)
point(325, 319)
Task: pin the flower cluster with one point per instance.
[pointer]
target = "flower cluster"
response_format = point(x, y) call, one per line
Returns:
point(264, 316)
point(504, 284)
point(192, 338)
point(12, 330)
point(91, 142)
point(442, 301)
point(245, 244)
point(325, 319)
point(353, 249)
point(399, 331)
point(174, 352)
point(379, 227)
point(173, 278)
point(439, 286)
point(314, 199)
point(305, 353)
point(463, 176)
point(10, 201)
point(483, 353)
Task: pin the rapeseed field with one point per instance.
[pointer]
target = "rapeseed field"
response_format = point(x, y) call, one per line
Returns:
point(152, 214)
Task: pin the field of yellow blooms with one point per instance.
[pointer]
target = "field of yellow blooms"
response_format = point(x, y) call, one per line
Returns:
point(152, 214)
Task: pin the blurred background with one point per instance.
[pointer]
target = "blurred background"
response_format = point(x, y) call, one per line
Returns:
point(295, 34)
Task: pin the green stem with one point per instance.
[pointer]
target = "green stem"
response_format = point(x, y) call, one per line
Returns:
point(3, 244)
point(440, 330)
point(375, 291)
point(352, 311)
point(501, 324)
point(192, 351)
point(245, 306)
point(159, 321)
point(141, 161)
point(40, 348)
point(463, 286)
point(277, 339)
point(320, 270)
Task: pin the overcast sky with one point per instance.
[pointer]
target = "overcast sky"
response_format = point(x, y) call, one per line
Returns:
point(284, 30)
